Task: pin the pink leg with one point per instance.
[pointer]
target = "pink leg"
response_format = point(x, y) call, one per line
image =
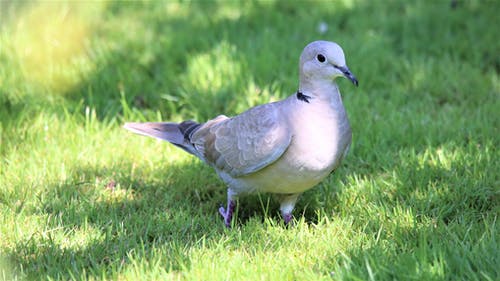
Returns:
point(227, 214)
point(287, 203)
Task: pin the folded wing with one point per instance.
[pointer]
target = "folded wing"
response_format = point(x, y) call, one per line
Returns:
point(245, 143)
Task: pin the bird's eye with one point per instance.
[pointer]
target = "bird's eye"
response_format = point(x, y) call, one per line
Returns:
point(320, 58)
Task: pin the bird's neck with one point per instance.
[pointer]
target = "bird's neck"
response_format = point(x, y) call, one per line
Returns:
point(322, 91)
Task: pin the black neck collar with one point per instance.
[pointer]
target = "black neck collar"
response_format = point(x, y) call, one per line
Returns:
point(302, 97)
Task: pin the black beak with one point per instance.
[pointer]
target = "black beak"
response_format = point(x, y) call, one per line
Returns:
point(347, 73)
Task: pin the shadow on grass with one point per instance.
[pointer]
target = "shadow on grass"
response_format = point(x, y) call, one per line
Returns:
point(129, 210)
point(107, 216)
point(136, 214)
point(118, 216)
point(424, 218)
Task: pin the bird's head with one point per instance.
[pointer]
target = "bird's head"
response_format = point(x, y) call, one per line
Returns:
point(324, 61)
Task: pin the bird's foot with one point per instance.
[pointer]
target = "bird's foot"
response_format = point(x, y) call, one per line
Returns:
point(227, 214)
point(287, 218)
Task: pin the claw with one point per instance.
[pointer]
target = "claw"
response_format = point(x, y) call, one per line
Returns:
point(287, 218)
point(222, 211)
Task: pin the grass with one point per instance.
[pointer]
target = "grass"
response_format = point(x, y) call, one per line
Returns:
point(81, 199)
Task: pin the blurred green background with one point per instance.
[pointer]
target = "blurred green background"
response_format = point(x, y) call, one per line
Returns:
point(81, 199)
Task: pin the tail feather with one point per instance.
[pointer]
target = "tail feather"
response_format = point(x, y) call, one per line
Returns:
point(163, 131)
point(187, 128)
point(177, 134)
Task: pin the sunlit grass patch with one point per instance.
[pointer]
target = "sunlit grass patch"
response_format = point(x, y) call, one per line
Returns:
point(50, 43)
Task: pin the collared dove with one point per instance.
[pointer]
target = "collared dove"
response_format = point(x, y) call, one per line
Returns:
point(284, 147)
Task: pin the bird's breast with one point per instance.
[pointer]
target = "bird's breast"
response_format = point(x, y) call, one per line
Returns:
point(321, 136)
point(319, 141)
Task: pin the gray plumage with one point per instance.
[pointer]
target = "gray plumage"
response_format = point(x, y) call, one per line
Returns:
point(285, 147)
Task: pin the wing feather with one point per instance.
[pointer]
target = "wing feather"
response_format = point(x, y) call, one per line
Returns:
point(245, 143)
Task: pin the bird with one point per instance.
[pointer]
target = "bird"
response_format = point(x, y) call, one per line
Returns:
point(284, 147)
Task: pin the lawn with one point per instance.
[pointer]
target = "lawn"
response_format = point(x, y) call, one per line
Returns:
point(417, 198)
